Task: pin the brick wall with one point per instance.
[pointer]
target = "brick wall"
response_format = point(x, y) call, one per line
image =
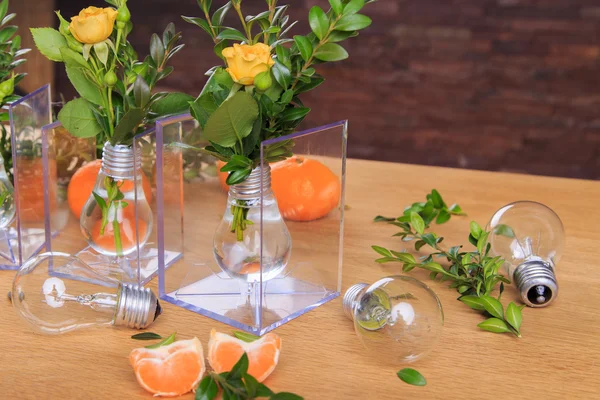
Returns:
point(510, 85)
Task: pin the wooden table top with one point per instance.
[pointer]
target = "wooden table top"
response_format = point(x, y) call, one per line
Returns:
point(558, 356)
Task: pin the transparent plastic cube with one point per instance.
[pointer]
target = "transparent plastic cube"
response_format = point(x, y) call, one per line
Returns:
point(195, 202)
point(24, 236)
point(138, 266)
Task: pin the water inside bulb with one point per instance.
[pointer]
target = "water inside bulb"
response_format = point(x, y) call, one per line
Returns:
point(237, 241)
point(117, 218)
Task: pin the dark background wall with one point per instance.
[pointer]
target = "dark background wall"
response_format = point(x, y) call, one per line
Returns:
point(510, 85)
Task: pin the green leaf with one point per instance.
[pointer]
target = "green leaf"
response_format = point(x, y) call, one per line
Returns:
point(240, 368)
point(86, 88)
point(337, 6)
point(475, 230)
point(101, 50)
point(412, 377)
point(78, 119)
point(285, 396)
point(73, 59)
point(282, 74)
point(49, 42)
point(163, 342)
point(263, 391)
point(157, 50)
point(201, 22)
point(238, 176)
point(482, 242)
point(232, 121)
point(3, 8)
point(504, 230)
point(514, 316)
point(492, 306)
point(437, 200)
point(472, 301)
point(219, 15)
point(381, 218)
point(494, 325)
point(208, 389)
point(434, 267)
point(171, 104)
point(7, 33)
point(141, 92)
point(331, 52)
point(319, 23)
point(293, 114)
point(128, 124)
point(232, 34)
point(353, 22)
point(304, 46)
point(382, 251)
point(455, 209)
point(353, 7)
point(245, 336)
point(146, 335)
point(417, 222)
point(442, 217)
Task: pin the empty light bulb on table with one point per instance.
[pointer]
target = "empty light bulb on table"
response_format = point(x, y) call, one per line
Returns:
point(398, 317)
point(57, 293)
point(529, 236)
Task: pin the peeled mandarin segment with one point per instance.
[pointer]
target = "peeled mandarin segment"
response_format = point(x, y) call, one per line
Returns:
point(224, 351)
point(170, 370)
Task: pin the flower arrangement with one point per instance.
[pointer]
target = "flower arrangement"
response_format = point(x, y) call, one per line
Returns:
point(255, 96)
point(116, 89)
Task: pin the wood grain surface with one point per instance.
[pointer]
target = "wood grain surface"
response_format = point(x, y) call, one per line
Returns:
point(558, 356)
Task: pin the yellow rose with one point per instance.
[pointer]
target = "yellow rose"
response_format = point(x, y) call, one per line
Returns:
point(93, 24)
point(246, 61)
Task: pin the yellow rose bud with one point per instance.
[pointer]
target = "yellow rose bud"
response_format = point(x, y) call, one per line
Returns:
point(93, 24)
point(245, 61)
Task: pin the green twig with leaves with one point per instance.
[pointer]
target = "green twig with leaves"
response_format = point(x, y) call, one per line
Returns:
point(474, 274)
point(238, 384)
point(10, 58)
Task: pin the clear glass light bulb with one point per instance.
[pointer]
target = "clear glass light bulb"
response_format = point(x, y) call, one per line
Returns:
point(7, 198)
point(126, 221)
point(530, 237)
point(397, 317)
point(237, 248)
point(57, 293)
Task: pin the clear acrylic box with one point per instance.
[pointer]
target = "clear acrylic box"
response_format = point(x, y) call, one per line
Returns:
point(24, 237)
point(195, 202)
point(141, 265)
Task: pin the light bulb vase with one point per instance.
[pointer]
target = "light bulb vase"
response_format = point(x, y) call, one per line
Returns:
point(113, 229)
point(247, 260)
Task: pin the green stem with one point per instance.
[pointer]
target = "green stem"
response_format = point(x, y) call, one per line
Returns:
point(238, 9)
point(117, 233)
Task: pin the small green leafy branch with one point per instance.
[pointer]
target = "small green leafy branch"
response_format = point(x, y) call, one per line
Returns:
point(10, 58)
point(110, 209)
point(475, 274)
point(238, 384)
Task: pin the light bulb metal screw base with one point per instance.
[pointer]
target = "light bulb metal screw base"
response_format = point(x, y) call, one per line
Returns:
point(137, 307)
point(536, 282)
point(351, 297)
point(120, 161)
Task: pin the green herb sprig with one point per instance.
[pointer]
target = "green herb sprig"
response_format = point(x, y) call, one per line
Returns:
point(475, 274)
point(433, 208)
point(238, 384)
point(155, 336)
